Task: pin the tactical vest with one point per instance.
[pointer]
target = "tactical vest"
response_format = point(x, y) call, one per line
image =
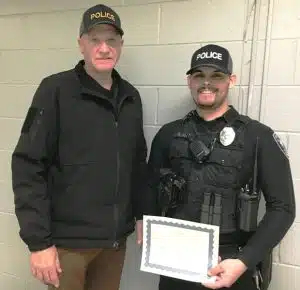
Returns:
point(214, 183)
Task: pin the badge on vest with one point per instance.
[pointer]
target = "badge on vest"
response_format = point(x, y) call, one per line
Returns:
point(227, 136)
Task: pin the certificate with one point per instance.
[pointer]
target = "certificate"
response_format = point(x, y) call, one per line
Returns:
point(179, 249)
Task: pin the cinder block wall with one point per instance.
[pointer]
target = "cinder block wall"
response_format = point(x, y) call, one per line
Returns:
point(39, 38)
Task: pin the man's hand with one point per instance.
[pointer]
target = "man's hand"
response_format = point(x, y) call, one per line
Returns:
point(226, 272)
point(139, 232)
point(45, 266)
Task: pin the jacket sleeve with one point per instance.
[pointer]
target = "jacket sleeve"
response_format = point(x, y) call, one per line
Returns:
point(158, 158)
point(31, 160)
point(275, 180)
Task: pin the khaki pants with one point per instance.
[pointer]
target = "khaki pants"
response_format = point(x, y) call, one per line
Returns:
point(90, 269)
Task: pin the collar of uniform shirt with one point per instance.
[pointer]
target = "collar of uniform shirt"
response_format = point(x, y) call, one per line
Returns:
point(217, 124)
point(231, 115)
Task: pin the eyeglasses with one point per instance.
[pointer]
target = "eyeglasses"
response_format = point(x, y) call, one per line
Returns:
point(214, 77)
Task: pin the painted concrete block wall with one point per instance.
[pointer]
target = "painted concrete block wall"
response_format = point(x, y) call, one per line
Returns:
point(39, 38)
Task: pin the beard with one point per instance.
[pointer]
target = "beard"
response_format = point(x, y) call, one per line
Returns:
point(209, 98)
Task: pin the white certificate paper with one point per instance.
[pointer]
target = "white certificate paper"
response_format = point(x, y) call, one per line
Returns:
point(179, 249)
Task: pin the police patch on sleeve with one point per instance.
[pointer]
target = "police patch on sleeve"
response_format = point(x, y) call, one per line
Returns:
point(30, 117)
point(280, 144)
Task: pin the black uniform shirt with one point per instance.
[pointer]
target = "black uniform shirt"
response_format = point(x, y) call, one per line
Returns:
point(274, 179)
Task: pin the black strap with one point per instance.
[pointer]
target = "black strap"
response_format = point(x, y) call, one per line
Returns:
point(254, 189)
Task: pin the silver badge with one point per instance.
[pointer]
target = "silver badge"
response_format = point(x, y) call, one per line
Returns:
point(227, 136)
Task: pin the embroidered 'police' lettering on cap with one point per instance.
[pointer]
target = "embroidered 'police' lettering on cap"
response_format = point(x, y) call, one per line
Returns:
point(102, 14)
point(209, 54)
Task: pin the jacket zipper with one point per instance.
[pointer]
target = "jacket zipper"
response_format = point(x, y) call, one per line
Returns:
point(116, 213)
point(116, 243)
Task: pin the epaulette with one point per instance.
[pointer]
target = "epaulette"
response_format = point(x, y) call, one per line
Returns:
point(244, 119)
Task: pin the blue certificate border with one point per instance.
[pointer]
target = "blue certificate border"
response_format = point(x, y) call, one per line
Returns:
point(210, 232)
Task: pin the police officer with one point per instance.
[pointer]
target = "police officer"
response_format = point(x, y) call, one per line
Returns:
point(226, 161)
point(78, 166)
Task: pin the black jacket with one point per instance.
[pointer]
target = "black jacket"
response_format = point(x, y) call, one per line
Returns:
point(79, 164)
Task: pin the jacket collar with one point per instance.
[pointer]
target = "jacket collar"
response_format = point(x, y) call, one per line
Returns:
point(83, 78)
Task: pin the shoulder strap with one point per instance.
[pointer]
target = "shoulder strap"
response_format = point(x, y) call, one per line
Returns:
point(254, 186)
point(245, 119)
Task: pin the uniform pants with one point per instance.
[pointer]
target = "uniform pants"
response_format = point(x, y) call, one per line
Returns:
point(90, 269)
point(245, 282)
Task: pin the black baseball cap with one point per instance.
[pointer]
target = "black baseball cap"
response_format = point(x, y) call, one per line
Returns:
point(211, 55)
point(100, 14)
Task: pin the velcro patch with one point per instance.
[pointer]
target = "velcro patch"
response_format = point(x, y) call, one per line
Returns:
point(280, 144)
point(30, 117)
